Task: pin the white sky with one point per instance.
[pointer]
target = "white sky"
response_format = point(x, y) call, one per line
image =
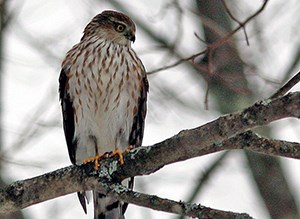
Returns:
point(31, 82)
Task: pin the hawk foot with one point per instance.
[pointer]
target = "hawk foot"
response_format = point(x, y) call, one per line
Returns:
point(128, 149)
point(120, 153)
point(95, 159)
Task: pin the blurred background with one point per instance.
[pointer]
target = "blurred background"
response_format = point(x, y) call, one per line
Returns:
point(36, 34)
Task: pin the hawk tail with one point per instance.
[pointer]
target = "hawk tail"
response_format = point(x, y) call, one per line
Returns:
point(107, 207)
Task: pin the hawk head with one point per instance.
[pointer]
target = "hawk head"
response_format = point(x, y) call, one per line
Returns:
point(112, 26)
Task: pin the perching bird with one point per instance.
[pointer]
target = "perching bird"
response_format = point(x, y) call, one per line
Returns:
point(103, 92)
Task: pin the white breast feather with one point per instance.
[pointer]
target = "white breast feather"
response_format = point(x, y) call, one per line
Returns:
point(110, 126)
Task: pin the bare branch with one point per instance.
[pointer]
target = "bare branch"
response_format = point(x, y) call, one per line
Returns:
point(214, 45)
point(253, 142)
point(166, 205)
point(242, 24)
point(177, 62)
point(70, 179)
point(223, 133)
point(287, 86)
point(236, 20)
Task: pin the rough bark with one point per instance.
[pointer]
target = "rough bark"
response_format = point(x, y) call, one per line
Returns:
point(227, 132)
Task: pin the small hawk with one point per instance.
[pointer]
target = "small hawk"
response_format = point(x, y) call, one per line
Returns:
point(103, 92)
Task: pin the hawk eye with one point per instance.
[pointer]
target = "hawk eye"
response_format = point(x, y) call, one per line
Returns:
point(120, 27)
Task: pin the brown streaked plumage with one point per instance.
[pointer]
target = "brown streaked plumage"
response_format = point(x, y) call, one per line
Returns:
point(103, 92)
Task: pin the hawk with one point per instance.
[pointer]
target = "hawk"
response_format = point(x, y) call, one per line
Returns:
point(103, 92)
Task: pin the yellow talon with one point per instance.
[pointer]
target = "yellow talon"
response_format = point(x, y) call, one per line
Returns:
point(120, 154)
point(127, 149)
point(94, 159)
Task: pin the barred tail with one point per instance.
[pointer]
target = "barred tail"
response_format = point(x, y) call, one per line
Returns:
point(107, 207)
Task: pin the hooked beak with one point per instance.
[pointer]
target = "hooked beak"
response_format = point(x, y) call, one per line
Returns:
point(130, 36)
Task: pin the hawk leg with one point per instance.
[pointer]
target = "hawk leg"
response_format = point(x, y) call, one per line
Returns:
point(120, 153)
point(95, 159)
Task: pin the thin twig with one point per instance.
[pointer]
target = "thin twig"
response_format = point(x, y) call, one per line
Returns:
point(226, 38)
point(213, 45)
point(206, 95)
point(287, 86)
point(177, 62)
point(236, 20)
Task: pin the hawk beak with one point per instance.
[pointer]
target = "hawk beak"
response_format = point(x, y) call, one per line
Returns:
point(130, 36)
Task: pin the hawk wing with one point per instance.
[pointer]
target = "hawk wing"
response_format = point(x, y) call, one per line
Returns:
point(137, 130)
point(68, 123)
point(68, 116)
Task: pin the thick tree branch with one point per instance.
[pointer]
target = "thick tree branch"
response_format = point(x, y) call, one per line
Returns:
point(68, 180)
point(160, 204)
point(220, 134)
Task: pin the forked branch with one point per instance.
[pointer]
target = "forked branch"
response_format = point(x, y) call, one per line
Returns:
point(227, 132)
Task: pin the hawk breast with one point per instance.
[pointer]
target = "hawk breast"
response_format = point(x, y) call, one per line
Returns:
point(105, 85)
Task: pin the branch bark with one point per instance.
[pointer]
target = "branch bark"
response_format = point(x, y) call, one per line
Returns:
point(161, 204)
point(227, 132)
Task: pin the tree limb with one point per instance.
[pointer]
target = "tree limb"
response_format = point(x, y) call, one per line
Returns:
point(253, 142)
point(287, 86)
point(223, 133)
point(166, 205)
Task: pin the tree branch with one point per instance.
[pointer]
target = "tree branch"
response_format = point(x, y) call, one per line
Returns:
point(223, 133)
point(166, 205)
point(217, 43)
point(253, 142)
point(287, 86)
